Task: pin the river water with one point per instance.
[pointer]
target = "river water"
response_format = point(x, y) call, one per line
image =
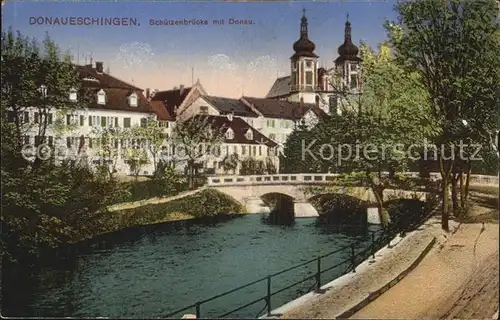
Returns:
point(153, 271)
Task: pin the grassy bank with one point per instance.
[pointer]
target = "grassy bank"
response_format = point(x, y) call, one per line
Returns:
point(206, 203)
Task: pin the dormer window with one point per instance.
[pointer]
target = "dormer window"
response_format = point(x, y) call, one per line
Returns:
point(43, 91)
point(101, 97)
point(73, 95)
point(132, 100)
point(230, 134)
point(249, 134)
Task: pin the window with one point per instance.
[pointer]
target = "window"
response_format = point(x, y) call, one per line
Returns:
point(270, 123)
point(243, 150)
point(132, 100)
point(203, 110)
point(333, 104)
point(37, 117)
point(82, 120)
point(43, 91)
point(73, 97)
point(144, 122)
point(103, 121)
point(272, 136)
point(26, 117)
point(254, 150)
point(229, 134)
point(26, 139)
point(90, 143)
point(68, 119)
point(101, 97)
point(126, 122)
point(354, 67)
point(116, 122)
point(68, 142)
point(249, 134)
point(309, 78)
point(354, 81)
point(51, 141)
point(235, 149)
point(309, 64)
point(260, 150)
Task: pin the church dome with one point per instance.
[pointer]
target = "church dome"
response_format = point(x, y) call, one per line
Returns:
point(348, 50)
point(304, 47)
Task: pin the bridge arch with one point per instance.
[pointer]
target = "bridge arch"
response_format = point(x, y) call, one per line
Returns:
point(340, 208)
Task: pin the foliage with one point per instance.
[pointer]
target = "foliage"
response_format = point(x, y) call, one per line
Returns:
point(230, 162)
point(155, 136)
point(454, 47)
point(194, 138)
point(270, 166)
point(250, 166)
point(205, 203)
point(43, 205)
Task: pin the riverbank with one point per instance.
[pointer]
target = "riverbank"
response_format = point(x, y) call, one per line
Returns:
point(189, 205)
point(344, 294)
point(458, 279)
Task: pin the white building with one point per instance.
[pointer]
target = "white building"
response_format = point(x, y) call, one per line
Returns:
point(113, 104)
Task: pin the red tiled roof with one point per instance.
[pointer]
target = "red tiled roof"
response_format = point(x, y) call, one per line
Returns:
point(104, 80)
point(272, 108)
point(162, 112)
point(170, 99)
point(239, 127)
point(117, 99)
point(117, 91)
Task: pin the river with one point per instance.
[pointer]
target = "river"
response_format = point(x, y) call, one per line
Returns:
point(150, 272)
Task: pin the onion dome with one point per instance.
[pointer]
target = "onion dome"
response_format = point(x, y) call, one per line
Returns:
point(304, 47)
point(348, 50)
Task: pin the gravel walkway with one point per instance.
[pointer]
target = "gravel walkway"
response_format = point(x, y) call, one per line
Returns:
point(456, 280)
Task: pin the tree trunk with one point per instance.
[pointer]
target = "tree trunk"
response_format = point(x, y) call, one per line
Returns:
point(445, 181)
point(454, 195)
point(467, 181)
point(190, 174)
point(462, 190)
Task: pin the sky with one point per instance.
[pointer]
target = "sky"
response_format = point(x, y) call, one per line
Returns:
point(229, 60)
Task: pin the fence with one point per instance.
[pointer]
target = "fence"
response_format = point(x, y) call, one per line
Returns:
point(355, 256)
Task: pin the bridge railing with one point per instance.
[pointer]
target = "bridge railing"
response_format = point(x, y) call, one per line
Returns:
point(355, 252)
point(317, 178)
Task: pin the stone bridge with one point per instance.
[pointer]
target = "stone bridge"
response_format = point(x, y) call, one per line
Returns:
point(249, 190)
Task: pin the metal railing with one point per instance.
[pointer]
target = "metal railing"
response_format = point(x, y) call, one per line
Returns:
point(378, 239)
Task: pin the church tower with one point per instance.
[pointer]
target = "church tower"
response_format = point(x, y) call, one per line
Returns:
point(304, 67)
point(347, 64)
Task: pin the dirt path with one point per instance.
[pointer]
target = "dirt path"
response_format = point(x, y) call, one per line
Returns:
point(155, 200)
point(458, 279)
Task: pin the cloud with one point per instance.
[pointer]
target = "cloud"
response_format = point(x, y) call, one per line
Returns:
point(135, 55)
point(222, 63)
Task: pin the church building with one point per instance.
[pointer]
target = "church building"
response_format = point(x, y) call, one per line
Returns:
point(309, 83)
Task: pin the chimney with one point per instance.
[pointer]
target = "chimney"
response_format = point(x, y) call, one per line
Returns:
point(181, 88)
point(175, 88)
point(99, 67)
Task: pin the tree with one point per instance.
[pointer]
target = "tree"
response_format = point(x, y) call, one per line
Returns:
point(230, 162)
point(270, 166)
point(375, 130)
point(155, 137)
point(43, 205)
point(454, 46)
point(193, 139)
